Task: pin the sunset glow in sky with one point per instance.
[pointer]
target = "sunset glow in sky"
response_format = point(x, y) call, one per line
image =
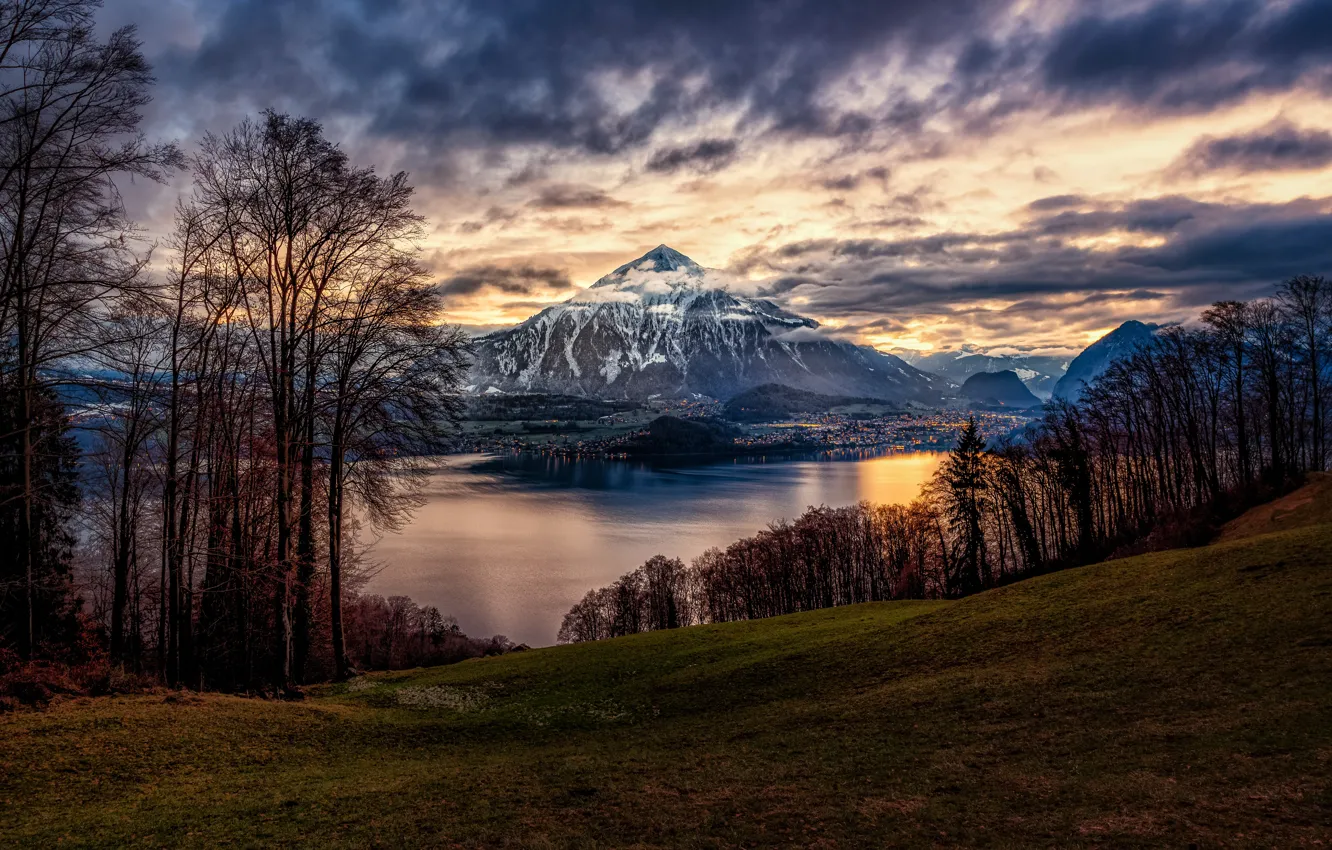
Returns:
point(1023, 174)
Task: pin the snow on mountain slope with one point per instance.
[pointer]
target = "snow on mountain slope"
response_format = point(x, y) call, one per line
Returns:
point(1122, 342)
point(663, 325)
point(1040, 372)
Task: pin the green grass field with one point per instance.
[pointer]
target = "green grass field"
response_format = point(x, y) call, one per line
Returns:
point(1170, 699)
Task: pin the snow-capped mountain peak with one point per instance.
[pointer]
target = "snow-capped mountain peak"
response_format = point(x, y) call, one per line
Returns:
point(664, 325)
point(661, 279)
point(661, 259)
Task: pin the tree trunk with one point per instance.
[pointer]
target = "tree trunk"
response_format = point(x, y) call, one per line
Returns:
point(341, 664)
point(121, 566)
point(305, 532)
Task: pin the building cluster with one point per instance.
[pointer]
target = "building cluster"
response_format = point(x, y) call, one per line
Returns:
point(922, 431)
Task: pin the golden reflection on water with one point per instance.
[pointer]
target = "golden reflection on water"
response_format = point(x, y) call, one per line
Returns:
point(897, 479)
point(508, 546)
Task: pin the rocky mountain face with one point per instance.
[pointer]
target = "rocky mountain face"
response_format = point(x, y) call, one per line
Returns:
point(664, 326)
point(1097, 357)
point(1039, 372)
point(998, 389)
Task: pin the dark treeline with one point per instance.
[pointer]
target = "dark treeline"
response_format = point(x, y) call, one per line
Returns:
point(394, 634)
point(247, 407)
point(1170, 441)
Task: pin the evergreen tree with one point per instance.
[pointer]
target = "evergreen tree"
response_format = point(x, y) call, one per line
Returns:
point(38, 607)
point(964, 485)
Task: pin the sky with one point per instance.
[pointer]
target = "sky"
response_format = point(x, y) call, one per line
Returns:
point(1012, 174)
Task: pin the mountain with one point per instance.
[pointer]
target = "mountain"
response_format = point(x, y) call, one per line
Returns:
point(1040, 372)
point(1004, 389)
point(663, 325)
point(1097, 357)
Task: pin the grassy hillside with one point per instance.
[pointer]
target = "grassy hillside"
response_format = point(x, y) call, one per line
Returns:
point(1172, 698)
point(1309, 505)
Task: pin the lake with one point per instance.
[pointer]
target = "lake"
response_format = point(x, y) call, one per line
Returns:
point(508, 543)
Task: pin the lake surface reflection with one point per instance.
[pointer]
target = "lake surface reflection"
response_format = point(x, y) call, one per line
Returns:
point(508, 543)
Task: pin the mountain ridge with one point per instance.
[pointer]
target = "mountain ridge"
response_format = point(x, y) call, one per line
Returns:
point(1003, 389)
point(664, 326)
point(1040, 372)
point(1097, 357)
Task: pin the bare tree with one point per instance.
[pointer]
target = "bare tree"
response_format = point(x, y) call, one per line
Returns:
point(69, 117)
point(393, 374)
point(1307, 302)
point(343, 335)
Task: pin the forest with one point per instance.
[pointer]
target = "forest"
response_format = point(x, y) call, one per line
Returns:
point(200, 435)
point(1201, 423)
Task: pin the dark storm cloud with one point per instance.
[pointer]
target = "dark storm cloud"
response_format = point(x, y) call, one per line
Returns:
point(1056, 202)
point(1209, 252)
point(705, 156)
point(477, 72)
point(565, 197)
point(1277, 147)
point(1255, 250)
point(514, 280)
point(1186, 54)
point(532, 71)
point(1154, 215)
point(589, 80)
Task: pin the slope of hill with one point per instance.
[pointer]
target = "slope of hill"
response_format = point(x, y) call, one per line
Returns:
point(664, 326)
point(1309, 505)
point(1097, 357)
point(1040, 372)
point(1001, 389)
point(1175, 698)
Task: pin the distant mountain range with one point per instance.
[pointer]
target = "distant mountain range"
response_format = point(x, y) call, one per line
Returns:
point(1097, 357)
point(1040, 372)
point(663, 326)
point(998, 389)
